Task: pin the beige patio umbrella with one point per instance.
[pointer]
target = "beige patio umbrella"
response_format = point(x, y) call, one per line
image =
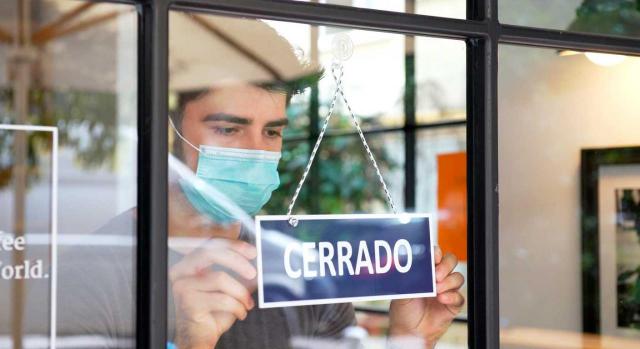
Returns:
point(203, 49)
point(206, 50)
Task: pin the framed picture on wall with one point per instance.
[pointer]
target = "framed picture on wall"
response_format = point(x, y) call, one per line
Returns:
point(610, 201)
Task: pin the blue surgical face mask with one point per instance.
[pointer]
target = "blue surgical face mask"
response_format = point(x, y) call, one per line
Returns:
point(247, 177)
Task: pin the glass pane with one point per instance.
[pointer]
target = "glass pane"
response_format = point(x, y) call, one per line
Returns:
point(248, 98)
point(609, 17)
point(378, 99)
point(436, 69)
point(347, 181)
point(441, 8)
point(440, 80)
point(432, 145)
point(566, 215)
point(441, 187)
point(68, 181)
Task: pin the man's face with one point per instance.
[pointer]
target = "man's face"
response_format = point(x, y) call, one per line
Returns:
point(239, 116)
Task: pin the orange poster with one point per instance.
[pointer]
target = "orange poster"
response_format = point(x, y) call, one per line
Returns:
point(452, 203)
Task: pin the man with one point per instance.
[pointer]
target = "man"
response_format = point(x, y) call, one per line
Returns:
point(230, 137)
point(213, 285)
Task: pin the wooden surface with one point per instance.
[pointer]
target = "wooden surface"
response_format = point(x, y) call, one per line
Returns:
point(521, 337)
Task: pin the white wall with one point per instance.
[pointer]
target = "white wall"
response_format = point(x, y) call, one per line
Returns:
point(550, 108)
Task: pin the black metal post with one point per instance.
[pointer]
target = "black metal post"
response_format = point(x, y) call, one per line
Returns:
point(558, 39)
point(410, 124)
point(482, 179)
point(482, 184)
point(151, 293)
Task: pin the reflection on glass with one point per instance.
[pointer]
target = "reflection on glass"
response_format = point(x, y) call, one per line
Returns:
point(552, 109)
point(233, 97)
point(71, 72)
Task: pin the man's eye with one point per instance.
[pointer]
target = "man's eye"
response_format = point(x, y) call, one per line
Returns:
point(225, 131)
point(273, 133)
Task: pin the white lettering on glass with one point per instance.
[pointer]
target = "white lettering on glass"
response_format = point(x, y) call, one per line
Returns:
point(27, 269)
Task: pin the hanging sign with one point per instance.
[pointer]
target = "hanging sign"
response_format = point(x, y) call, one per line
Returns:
point(343, 258)
point(320, 259)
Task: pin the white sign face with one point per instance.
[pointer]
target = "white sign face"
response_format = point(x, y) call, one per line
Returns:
point(33, 269)
point(343, 258)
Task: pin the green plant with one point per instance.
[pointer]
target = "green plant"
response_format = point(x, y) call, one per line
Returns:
point(615, 17)
point(345, 179)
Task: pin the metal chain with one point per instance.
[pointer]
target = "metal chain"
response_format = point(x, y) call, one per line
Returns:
point(292, 220)
point(339, 91)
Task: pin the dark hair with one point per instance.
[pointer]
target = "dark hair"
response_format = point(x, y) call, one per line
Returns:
point(290, 88)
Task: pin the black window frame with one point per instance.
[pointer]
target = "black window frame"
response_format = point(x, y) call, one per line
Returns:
point(481, 31)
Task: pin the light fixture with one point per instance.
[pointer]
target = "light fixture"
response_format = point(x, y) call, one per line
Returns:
point(601, 59)
point(604, 59)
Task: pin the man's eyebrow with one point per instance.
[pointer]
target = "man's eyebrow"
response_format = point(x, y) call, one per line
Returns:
point(276, 123)
point(228, 118)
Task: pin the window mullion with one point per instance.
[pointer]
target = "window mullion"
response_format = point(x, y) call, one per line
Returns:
point(151, 286)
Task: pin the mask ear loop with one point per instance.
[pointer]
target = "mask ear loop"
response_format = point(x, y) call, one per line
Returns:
point(173, 126)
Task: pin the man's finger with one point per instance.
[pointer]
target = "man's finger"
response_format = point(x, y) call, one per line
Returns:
point(452, 299)
point(452, 282)
point(200, 259)
point(220, 302)
point(217, 282)
point(446, 266)
point(216, 302)
point(437, 255)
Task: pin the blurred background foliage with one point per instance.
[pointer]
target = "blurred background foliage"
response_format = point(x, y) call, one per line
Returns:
point(85, 121)
point(342, 179)
point(346, 180)
point(614, 17)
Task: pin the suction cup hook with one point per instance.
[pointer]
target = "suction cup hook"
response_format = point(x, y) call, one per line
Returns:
point(342, 48)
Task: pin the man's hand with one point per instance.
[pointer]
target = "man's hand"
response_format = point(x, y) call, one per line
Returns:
point(429, 318)
point(209, 301)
